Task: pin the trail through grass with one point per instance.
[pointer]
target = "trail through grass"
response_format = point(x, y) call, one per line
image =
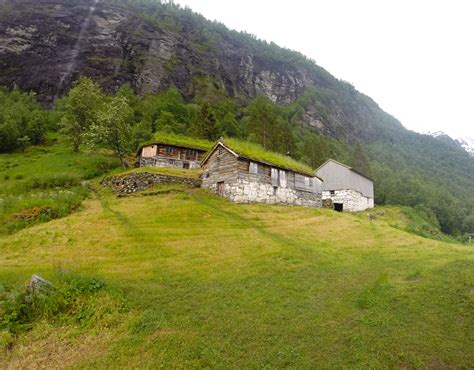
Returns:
point(213, 284)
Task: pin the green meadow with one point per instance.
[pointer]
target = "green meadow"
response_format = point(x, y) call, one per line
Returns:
point(184, 279)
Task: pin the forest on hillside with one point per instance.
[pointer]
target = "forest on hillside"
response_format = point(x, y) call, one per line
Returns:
point(401, 163)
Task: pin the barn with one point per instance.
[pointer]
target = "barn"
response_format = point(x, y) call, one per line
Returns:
point(172, 151)
point(246, 173)
point(348, 189)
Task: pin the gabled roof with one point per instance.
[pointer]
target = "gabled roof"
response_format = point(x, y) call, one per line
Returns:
point(256, 153)
point(178, 140)
point(344, 165)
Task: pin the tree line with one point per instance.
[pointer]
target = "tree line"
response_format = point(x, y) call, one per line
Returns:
point(123, 120)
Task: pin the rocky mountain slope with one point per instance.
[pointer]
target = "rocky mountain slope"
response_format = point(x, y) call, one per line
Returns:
point(45, 45)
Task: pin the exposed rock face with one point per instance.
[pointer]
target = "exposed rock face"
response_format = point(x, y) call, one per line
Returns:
point(45, 45)
point(137, 181)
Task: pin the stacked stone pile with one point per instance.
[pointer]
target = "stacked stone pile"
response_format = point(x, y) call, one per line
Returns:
point(137, 181)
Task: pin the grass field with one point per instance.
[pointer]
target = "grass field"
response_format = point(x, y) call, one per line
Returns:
point(45, 182)
point(191, 280)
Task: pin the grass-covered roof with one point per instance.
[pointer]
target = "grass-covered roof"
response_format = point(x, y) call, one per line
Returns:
point(178, 140)
point(259, 154)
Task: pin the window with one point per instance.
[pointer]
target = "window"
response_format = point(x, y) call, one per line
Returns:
point(220, 150)
point(332, 192)
point(190, 152)
point(306, 181)
point(169, 149)
point(282, 175)
point(275, 177)
point(253, 168)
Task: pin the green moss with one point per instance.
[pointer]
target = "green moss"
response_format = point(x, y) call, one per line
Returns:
point(258, 153)
point(179, 140)
point(179, 172)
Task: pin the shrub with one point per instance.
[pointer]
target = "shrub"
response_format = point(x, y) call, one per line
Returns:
point(55, 181)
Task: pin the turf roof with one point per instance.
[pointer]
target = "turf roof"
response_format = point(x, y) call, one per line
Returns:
point(259, 154)
point(178, 140)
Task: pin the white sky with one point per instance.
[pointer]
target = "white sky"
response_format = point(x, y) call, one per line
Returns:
point(414, 58)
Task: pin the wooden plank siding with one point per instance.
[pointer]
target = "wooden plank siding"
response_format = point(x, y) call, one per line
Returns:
point(172, 152)
point(338, 176)
point(166, 155)
point(221, 166)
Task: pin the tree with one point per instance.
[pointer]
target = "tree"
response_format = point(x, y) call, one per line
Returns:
point(82, 106)
point(261, 118)
point(111, 130)
point(360, 162)
point(205, 125)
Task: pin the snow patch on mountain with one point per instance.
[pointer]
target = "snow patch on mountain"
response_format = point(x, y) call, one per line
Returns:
point(465, 143)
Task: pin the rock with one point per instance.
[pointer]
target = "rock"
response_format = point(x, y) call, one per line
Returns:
point(38, 285)
point(137, 181)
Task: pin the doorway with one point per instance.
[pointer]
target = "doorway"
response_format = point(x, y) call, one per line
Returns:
point(220, 188)
point(338, 207)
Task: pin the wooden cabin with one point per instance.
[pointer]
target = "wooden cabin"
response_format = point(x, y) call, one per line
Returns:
point(236, 173)
point(348, 189)
point(162, 154)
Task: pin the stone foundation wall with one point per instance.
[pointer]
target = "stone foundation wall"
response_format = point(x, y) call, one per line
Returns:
point(352, 200)
point(242, 190)
point(167, 162)
point(136, 181)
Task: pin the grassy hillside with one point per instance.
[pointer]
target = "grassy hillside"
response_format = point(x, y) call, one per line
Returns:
point(45, 182)
point(185, 279)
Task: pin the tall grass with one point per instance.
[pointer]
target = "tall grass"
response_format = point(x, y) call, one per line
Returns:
point(44, 183)
point(72, 298)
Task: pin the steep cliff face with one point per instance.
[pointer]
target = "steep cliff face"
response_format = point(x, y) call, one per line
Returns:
point(46, 45)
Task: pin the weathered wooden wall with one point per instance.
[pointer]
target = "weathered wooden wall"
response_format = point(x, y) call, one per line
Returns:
point(241, 186)
point(163, 155)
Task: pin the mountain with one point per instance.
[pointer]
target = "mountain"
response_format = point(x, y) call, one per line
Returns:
point(465, 143)
point(46, 45)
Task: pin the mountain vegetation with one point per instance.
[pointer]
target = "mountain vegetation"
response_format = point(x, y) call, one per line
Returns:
point(181, 73)
point(125, 120)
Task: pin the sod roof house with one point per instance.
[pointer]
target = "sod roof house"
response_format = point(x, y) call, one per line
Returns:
point(246, 173)
point(348, 189)
point(172, 151)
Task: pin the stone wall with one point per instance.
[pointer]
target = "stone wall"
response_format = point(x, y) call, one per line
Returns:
point(241, 190)
point(136, 181)
point(167, 162)
point(352, 200)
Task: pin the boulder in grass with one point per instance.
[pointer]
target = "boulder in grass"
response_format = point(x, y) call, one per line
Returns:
point(38, 285)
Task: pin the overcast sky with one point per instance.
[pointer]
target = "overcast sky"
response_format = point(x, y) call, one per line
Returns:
point(414, 58)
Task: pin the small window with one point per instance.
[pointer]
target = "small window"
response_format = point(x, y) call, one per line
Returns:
point(275, 190)
point(220, 150)
point(332, 192)
point(282, 175)
point(253, 168)
point(169, 149)
point(275, 177)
